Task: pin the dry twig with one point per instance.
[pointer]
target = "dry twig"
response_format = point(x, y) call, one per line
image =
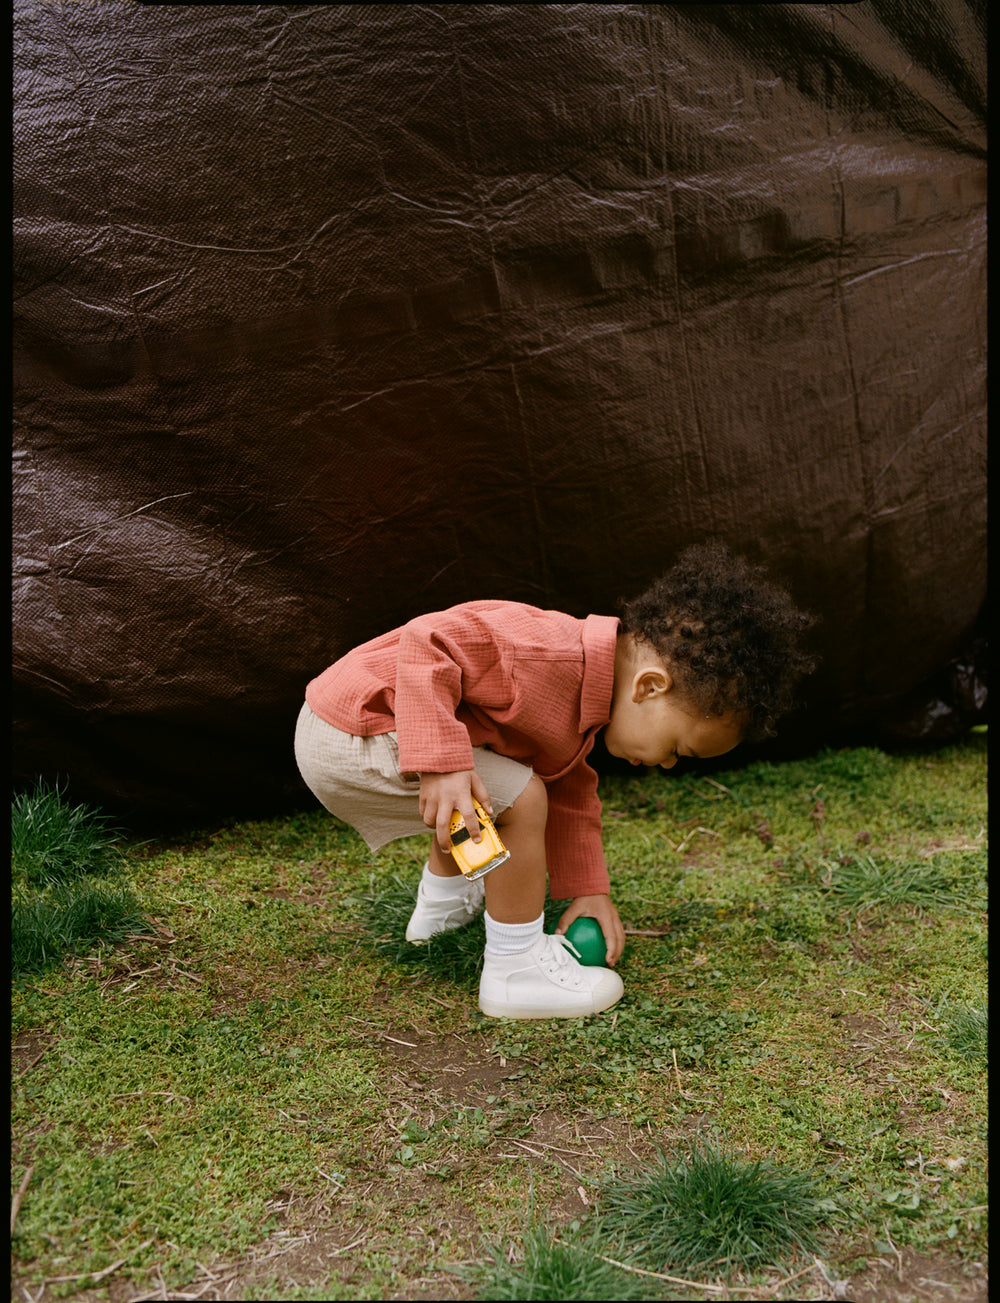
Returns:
point(15, 1207)
point(701, 1284)
point(95, 1276)
point(37, 1059)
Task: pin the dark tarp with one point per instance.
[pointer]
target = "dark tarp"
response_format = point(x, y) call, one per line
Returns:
point(329, 315)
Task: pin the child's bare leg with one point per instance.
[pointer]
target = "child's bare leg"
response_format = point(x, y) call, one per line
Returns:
point(515, 892)
point(440, 863)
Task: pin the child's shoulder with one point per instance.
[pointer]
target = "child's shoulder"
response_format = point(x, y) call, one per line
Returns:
point(528, 630)
point(503, 620)
point(502, 610)
point(497, 609)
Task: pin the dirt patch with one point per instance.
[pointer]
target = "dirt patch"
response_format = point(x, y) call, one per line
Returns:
point(870, 1039)
point(442, 1073)
point(912, 1277)
point(28, 1051)
point(321, 1247)
point(446, 1066)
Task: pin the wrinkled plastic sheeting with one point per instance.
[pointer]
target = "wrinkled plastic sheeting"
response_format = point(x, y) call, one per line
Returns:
point(330, 315)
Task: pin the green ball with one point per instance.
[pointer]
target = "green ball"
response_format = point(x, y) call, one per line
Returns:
point(586, 935)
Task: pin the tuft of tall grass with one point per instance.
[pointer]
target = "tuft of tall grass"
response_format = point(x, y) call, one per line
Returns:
point(45, 926)
point(54, 841)
point(67, 892)
point(966, 1029)
point(862, 884)
point(713, 1211)
point(454, 956)
point(544, 1267)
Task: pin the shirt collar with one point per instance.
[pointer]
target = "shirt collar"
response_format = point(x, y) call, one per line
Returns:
point(600, 639)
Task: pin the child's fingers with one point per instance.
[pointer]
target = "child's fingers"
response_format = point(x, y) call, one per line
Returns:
point(444, 826)
point(443, 833)
point(471, 821)
point(430, 807)
point(614, 936)
point(603, 911)
point(614, 942)
point(441, 795)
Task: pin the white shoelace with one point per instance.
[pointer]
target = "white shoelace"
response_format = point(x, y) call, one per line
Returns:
point(557, 948)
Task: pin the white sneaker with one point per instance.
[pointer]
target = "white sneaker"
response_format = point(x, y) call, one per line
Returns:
point(545, 982)
point(433, 916)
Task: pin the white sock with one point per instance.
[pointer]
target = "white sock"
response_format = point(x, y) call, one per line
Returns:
point(438, 888)
point(511, 938)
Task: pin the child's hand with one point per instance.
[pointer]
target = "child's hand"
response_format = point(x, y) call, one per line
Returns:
point(442, 794)
point(601, 909)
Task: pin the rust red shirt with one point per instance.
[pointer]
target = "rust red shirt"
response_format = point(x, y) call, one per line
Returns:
point(530, 684)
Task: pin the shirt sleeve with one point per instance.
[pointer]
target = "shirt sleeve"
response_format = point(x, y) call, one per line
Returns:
point(573, 844)
point(441, 660)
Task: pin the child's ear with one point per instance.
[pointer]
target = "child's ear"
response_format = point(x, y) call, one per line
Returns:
point(651, 682)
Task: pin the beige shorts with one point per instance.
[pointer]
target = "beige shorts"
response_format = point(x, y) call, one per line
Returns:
point(359, 780)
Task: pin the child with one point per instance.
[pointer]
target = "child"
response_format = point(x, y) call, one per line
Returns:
point(502, 702)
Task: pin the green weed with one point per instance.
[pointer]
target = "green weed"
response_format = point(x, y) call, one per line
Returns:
point(48, 924)
point(712, 1211)
point(544, 1267)
point(54, 841)
point(67, 888)
point(966, 1028)
point(862, 884)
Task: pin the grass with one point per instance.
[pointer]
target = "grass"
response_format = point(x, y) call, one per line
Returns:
point(540, 1266)
point(47, 924)
point(455, 956)
point(713, 1211)
point(271, 1091)
point(864, 885)
point(53, 841)
point(66, 880)
point(966, 1029)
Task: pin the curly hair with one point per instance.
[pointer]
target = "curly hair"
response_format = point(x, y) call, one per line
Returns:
point(730, 637)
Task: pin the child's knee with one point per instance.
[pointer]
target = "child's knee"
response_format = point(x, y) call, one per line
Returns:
point(531, 807)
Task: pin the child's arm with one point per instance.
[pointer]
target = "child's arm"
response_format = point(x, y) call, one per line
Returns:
point(576, 856)
point(442, 794)
point(443, 660)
